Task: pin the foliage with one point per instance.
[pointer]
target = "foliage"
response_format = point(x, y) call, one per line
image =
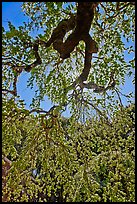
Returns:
point(89, 156)
point(69, 161)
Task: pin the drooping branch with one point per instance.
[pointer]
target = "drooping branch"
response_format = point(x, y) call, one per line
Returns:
point(107, 121)
point(5, 172)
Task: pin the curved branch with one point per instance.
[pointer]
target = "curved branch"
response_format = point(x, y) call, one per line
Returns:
point(80, 23)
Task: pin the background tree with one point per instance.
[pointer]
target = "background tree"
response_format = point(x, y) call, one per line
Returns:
point(78, 62)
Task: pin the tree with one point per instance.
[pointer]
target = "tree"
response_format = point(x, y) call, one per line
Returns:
point(91, 162)
point(83, 45)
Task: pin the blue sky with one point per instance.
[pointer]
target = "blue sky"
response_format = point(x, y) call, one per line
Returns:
point(11, 11)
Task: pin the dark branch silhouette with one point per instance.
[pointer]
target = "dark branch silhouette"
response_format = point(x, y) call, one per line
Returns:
point(80, 24)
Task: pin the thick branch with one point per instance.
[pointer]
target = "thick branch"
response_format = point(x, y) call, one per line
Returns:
point(85, 15)
point(80, 24)
point(91, 47)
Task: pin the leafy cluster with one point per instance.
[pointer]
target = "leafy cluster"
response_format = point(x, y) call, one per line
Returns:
point(58, 159)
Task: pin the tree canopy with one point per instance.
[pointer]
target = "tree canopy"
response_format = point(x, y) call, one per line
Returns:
point(81, 61)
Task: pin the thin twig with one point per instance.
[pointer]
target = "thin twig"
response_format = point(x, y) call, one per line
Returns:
point(119, 97)
point(3, 58)
point(99, 111)
point(118, 12)
point(9, 91)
